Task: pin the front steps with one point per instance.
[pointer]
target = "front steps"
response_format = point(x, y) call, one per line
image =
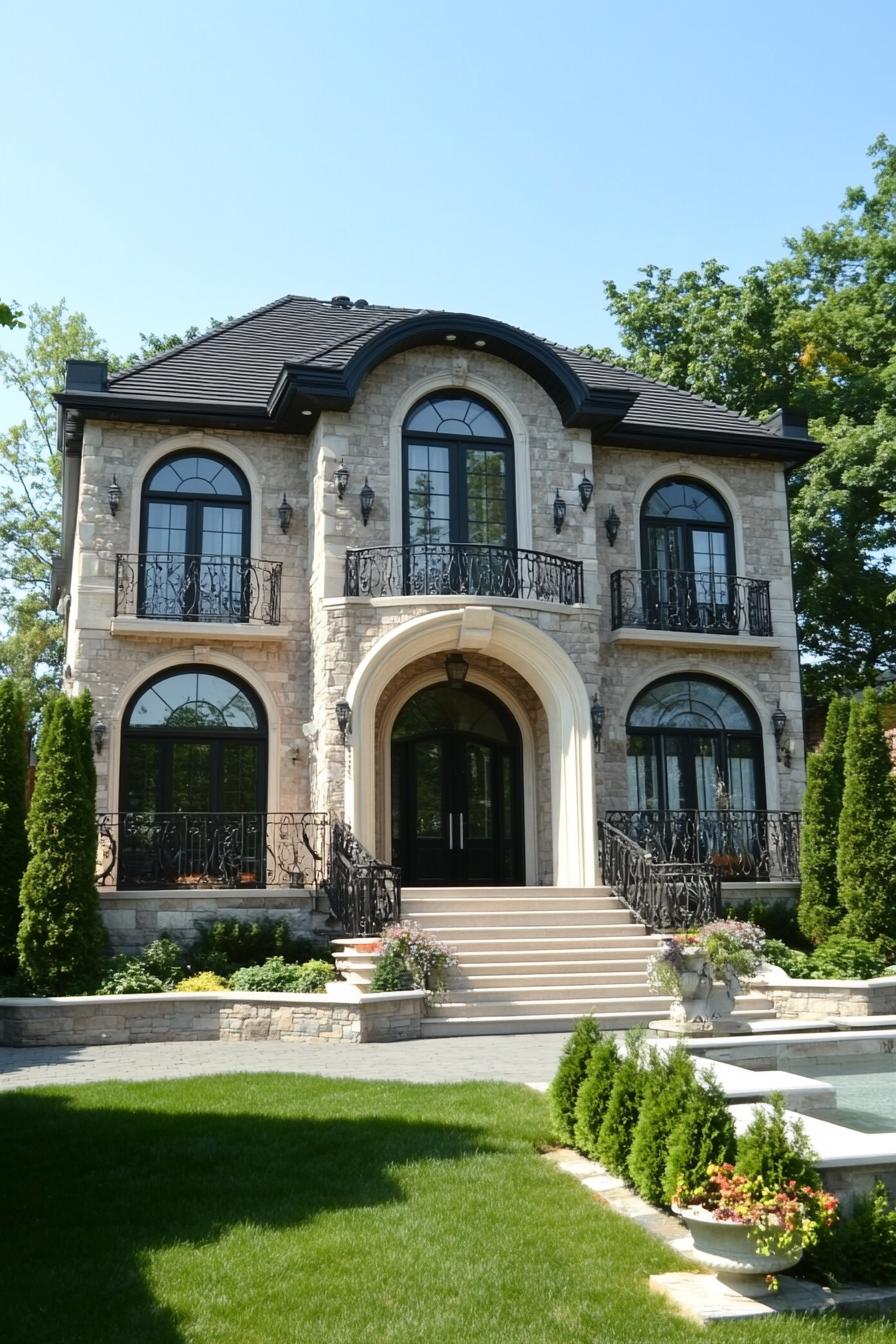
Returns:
point(535, 959)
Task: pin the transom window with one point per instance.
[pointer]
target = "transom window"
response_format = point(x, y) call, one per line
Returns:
point(458, 473)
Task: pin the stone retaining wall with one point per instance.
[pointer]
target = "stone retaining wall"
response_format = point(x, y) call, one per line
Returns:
point(133, 919)
point(130, 1019)
point(832, 998)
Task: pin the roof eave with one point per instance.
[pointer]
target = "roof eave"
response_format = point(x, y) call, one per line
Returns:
point(774, 448)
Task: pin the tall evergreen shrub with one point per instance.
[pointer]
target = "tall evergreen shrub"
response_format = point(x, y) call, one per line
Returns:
point(82, 709)
point(866, 856)
point(615, 1139)
point(704, 1133)
point(569, 1077)
point(594, 1095)
point(775, 1149)
point(61, 937)
point(13, 840)
point(668, 1090)
point(820, 910)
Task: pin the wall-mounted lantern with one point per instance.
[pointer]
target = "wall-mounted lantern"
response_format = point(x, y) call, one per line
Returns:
point(456, 669)
point(779, 723)
point(340, 479)
point(99, 736)
point(559, 511)
point(367, 498)
point(344, 717)
point(597, 722)
point(586, 490)
point(113, 494)
point(611, 523)
point(285, 512)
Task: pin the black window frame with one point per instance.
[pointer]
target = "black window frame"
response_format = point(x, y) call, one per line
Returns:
point(689, 525)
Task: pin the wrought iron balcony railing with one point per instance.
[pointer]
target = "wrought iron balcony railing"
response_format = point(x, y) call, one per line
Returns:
point(660, 895)
point(741, 845)
point(197, 849)
point(198, 587)
point(701, 603)
point(433, 569)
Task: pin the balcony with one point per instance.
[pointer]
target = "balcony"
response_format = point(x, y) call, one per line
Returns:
point(742, 845)
point(460, 569)
point(212, 588)
point(690, 603)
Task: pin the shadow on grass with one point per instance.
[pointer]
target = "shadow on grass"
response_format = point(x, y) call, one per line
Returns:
point(86, 1192)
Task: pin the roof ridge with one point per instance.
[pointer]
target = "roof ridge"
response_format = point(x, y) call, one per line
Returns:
point(207, 335)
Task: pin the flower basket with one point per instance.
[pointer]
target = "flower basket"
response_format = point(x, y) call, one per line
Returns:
point(730, 1249)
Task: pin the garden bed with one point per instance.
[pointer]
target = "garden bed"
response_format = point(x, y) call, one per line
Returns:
point(129, 1019)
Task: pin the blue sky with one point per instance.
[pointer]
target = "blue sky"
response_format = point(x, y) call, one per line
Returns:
point(167, 162)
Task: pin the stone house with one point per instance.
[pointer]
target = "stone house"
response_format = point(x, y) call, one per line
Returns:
point(490, 601)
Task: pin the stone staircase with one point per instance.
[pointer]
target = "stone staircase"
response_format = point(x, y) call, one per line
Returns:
point(534, 959)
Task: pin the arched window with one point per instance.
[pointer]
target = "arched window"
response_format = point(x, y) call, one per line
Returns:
point(194, 539)
point(458, 473)
point(694, 744)
point(687, 559)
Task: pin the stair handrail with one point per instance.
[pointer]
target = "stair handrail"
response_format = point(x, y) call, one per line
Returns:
point(659, 895)
point(365, 895)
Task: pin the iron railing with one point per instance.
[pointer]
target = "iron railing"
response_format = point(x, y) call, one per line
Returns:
point(438, 568)
point(365, 895)
point(197, 849)
point(198, 587)
point(742, 845)
point(659, 895)
point(700, 603)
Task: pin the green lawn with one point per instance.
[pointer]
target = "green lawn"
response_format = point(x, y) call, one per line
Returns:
point(267, 1209)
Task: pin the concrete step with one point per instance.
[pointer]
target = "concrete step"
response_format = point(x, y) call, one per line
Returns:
point(555, 941)
point(593, 989)
point(411, 894)
point(499, 1025)
point(624, 973)
point(423, 906)
point(601, 1003)
point(628, 951)
point(443, 924)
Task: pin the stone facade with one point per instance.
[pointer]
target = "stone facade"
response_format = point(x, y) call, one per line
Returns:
point(134, 919)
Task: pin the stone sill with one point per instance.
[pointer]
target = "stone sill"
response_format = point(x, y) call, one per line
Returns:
point(199, 893)
point(462, 600)
point(684, 639)
point(140, 627)
point(328, 1000)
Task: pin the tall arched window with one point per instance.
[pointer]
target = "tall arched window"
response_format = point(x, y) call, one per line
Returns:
point(687, 558)
point(194, 539)
point(694, 744)
point(458, 473)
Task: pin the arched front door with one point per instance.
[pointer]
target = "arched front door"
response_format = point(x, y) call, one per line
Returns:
point(457, 790)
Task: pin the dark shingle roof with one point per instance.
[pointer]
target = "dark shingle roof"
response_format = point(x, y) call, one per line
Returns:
point(239, 364)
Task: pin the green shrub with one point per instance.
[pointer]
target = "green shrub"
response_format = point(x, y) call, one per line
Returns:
point(594, 1095)
point(857, 1249)
point(704, 1133)
point(13, 839)
point(777, 919)
point(617, 1131)
point(845, 958)
point(204, 982)
point(391, 974)
point(775, 1149)
point(228, 944)
point(128, 975)
point(61, 938)
point(165, 960)
point(866, 853)
point(798, 965)
point(669, 1085)
point(277, 976)
point(568, 1079)
point(820, 910)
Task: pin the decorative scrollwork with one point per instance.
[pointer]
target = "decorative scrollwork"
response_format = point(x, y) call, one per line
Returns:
point(365, 895)
point(198, 587)
point(660, 895)
point(434, 569)
point(701, 603)
point(743, 845)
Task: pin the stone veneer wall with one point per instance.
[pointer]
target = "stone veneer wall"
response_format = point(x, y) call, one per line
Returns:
point(833, 998)
point(133, 919)
point(129, 1019)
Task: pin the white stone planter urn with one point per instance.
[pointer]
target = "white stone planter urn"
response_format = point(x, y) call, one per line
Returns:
point(729, 1250)
point(703, 1003)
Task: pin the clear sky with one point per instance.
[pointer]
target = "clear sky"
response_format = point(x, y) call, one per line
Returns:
point(164, 162)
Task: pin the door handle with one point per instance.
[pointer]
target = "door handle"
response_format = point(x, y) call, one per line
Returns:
point(460, 817)
point(450, 830)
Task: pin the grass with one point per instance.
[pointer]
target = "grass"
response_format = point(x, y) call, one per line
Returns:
point(273, 1209)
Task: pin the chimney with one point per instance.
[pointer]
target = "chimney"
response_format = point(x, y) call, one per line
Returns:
point(788, 422)
point(86, 375)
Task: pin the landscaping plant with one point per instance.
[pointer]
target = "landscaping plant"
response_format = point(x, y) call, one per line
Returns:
point(164, 958)
point(820, 911)
point(277, 976)
point(128, 975)
point(617, 1131)
point(13, 839)
point(564, 1089)
point(204, 982)
point(427, 960)
point(866, 853)
point(845, 958)
point(61, 938)
point(670, 1082)
point(391, 974)
point(860, 1248)
point(227, 944)
point(798, 965)
point(703, 1133)
point(594, 1095)
point(775, 1150)
point(780, 1215)
point(732, 947)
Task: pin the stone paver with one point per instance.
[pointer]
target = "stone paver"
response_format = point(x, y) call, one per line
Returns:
point(454, 1059)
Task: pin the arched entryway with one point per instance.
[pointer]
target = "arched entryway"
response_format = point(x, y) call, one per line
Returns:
point(456, 762)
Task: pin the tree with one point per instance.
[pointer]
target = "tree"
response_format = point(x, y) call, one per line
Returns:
point(10, 316)
point(704, 1133)
point(13, 840)
point(82, 712)
point(820, 910)
point(61, 938)
point(568, 1079)
point(814, 329)
point(668, 1090)
point(866, 854)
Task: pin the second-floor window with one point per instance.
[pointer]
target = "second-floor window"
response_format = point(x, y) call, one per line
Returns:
point(194, 539)
point(687, 558)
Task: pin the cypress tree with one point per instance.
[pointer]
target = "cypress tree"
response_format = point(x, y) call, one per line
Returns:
point(615, 1139)
point(594, 1095)
point(13, 839)
point(704, 1133)
point(667, 1092)
point(820, 910)
point(866, 855)
point(568, 1079)
point(61, 937)
point(82, 709)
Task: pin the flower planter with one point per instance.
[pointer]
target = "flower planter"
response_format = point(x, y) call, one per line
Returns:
point(729, 1249)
